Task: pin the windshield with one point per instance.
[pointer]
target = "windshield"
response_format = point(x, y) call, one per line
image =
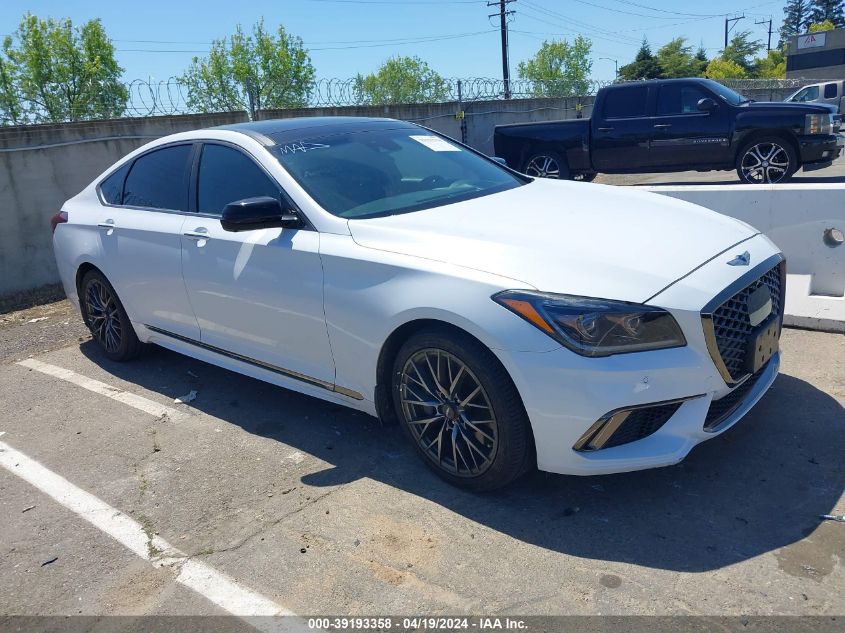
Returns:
point(385, 172)
point(726, 94)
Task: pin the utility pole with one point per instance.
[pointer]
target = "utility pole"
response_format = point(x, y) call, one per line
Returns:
point(503, 27)
point(769, 22)
point(727, 30)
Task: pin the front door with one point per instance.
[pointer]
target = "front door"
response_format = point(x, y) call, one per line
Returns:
point(621, 132)
point(685, 136)
point(256, 294)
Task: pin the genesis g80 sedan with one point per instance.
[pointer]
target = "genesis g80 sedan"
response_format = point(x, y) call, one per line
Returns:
point(505, 322)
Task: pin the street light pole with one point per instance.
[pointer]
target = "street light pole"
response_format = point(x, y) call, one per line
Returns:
point(615, 65)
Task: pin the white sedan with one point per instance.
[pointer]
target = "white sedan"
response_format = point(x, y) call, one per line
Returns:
point(505, 322)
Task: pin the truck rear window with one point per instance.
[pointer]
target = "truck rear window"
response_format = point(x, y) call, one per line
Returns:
point(625, 103)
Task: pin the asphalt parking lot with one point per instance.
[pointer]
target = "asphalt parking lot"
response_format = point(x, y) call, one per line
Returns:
point(310, 508)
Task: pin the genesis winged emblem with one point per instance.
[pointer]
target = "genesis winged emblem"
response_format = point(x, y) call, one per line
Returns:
point(741, 259)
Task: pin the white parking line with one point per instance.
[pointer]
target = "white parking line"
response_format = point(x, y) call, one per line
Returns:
point(139, 402)
point(205, 580)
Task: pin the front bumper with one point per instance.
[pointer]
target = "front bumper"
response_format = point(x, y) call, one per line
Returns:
point(566, 394)
point(819, 150)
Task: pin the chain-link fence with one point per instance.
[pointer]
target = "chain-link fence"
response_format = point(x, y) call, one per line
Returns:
point(146, 98)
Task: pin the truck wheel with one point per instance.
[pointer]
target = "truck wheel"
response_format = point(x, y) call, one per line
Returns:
point(766, 160)
point(546, 165)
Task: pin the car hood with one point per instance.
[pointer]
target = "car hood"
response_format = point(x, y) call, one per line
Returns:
point(567, 237)
point(809, 107)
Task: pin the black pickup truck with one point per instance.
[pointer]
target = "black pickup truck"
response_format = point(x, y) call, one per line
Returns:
point(676, 125)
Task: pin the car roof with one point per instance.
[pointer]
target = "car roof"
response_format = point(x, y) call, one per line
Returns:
point(280, 131)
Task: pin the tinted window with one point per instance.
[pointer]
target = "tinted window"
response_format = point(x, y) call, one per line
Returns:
point(112, 187)
point(807, 94)
point(227, 175)
point(159, 179)
point(679, 99)
point(363, 174)
point(625, 103)
point(829, 91)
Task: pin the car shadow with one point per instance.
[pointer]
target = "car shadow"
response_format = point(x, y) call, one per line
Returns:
point(759, 487)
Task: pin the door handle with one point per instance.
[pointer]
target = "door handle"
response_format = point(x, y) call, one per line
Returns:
point(199, 234)
point(604, 129)
point(108, 224)
point(662, 125)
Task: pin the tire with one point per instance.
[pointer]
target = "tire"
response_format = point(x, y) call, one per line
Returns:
point(106, 318)
point(546, 165)
point(478, 436)
point(766, 160)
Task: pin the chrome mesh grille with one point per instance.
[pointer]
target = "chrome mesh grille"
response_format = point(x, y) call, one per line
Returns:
point(731, 323)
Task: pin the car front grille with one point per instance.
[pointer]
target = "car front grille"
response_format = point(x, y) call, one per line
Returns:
point(721, 409)
point(731, 326)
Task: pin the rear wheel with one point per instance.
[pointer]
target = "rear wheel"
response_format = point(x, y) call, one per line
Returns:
point(766, 160)
point(461, 410)
point(546, 165)
point(106, 318)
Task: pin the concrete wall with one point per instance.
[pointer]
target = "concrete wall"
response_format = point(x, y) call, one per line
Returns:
point(797, 218)
point(41, 166)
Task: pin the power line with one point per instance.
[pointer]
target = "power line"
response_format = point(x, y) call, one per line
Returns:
point(658, 10)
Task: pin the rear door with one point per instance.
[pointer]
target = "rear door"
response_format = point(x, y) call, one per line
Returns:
point(256, 294)
point(622, 130)
point(139, 228)
point(684, 135)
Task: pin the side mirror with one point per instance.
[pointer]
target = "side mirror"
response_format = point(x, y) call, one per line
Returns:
point(257, 213)
point(706, 105)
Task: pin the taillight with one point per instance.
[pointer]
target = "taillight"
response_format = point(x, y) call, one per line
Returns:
point(59, 218)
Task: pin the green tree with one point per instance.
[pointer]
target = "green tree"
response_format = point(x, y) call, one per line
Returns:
point(796, 19)
point(644, 66)
point(741, 51)
point(829, 10)
point(676, 59)
point(720, 68)
point(11, 107)
point(773, 65)
point(51, 71)
point(560, 69)
point(401, 80)
point(251, 72)
point(818, 27)
point(701, 61)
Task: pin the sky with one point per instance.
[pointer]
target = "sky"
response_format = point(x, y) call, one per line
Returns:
point(158, 38)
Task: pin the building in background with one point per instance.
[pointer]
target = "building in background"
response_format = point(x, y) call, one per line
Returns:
point(817, 55)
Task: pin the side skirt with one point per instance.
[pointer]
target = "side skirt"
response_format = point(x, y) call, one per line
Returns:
point(287, 373)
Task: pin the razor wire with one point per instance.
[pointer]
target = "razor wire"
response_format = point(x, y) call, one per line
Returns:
point(171, 96)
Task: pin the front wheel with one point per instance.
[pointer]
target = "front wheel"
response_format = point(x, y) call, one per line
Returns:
point(461, 410)
point(766, 161)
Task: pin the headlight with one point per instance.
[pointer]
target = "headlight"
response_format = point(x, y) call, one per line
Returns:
point(595, 327)
point(818, 123)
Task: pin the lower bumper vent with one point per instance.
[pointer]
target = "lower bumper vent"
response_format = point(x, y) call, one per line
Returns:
point(721, 409)
point(624, 426)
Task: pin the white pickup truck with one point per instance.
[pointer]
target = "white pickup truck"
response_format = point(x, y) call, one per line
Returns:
point(828, 93)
